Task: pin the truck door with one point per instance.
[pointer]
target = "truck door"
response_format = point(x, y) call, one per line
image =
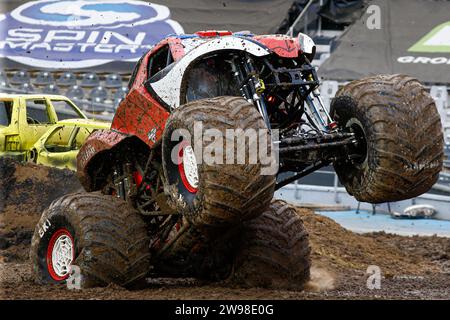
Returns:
point(142, 114)
point(38, 119)
point(56, 150)
point(61, 147)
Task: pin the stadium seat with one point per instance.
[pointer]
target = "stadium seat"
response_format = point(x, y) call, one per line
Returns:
point(440, 96)
point(3, 80)
point(43, 78)
point(109, 109)
point(67, 79)
point(75, 92)
point(119, 95)
point(51, 89)
point(98, 95)
point(90, 80)
point(113, 80)
point(97, 98)
point(27, 87)
point(20, 77)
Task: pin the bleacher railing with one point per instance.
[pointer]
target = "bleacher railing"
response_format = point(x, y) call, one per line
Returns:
point(303, 18)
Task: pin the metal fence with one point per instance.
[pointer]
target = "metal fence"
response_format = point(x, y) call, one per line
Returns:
point(335, 197)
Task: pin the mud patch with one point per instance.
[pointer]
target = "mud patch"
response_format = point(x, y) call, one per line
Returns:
point(30, 188)
point(25, 191)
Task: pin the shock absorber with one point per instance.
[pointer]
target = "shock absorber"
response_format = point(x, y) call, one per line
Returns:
point(317, 111)
point(257, 90)
point(252, 87)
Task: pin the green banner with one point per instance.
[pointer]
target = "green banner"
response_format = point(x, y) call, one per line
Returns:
point(437, 40)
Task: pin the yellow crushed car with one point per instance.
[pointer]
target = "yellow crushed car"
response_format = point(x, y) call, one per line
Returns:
point(25, 118)
point(59, 146)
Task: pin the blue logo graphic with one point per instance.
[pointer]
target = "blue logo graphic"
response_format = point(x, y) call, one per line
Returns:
point(82, 33)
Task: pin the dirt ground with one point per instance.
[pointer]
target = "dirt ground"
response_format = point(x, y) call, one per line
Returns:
point(411, 267)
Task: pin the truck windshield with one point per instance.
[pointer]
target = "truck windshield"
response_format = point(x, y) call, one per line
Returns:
point(211, 78)
point(64, 110)
point(5, 113)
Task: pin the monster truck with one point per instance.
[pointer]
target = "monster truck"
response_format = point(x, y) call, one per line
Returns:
point(156, 204)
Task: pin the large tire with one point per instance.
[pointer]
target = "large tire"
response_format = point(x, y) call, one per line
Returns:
point(108, 238)
point(226, 194)
point(274, 251)
point(403, 148)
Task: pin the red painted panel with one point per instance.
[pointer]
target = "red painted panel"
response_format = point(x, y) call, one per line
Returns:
point(141, 115)
point(284, 46)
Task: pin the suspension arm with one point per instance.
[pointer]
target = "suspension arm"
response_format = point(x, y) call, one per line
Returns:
point(301, 174)
point(315, 146)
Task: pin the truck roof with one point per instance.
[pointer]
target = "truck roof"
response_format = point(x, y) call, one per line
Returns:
point(36, 96)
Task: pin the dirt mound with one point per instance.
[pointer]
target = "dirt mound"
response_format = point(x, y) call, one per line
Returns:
point(31, 188)
point(435, 250)
point(339, 249)
point(25, 191)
